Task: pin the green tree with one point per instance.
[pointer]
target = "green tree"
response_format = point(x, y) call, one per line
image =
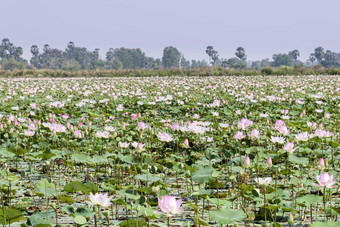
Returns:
point(282, 59)
point(294, 54)
point(319, 53)
point(199, 63)
point(184, 62)
point(130, 58)
point(114, 64)
point(12, 64)
point(209, 51)
point(330, 59)
point(241, 53)
point(235, 63)
point(171, 57)
point(312, 58)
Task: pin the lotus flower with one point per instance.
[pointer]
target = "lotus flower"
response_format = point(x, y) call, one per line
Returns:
point(239, 135)
point(325, 180)
point(100, 199)
point(169, 205)
point(255, 133)
point(289, 147)
point(277, 139)
point(264, 182)
point(164, 137)
point(303, 136)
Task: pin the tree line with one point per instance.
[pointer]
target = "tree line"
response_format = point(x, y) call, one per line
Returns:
point(74, 58)
point(324, 58)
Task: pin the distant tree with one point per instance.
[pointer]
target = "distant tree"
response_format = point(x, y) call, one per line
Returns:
point(35, 50)
point(241, 54)
point(8, 51)
point(209, 51)
point(234, 63)
point(282, 59)
point(214, 57)
point(130, 58)
point(51, 58)
point(330, 56)
point(114, 64)
point(256, 64)
point(12, 64)
point(10, 56)
point(312, 58)
point(319, 53)
point(294, 54)
point(330, 59)
point(171, 57)
point(265, 62)
point(213, 54)
point(184, 62)
point(199, 63)
point(110, 54)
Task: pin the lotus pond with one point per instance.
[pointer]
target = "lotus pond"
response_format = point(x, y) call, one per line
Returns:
point(179, 151)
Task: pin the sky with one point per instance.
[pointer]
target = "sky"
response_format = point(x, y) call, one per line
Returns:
point(262, 27)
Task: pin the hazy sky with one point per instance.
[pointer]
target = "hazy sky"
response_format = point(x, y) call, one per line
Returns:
point(262, 27)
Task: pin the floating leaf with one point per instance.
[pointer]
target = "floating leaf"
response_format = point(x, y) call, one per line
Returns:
point(227, 216)
point(203, 175)
point(79, 220)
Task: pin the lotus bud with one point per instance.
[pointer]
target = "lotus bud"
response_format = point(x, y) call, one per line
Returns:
point(140, 147)
point(269, 162)
point(246, 162)
point(186, 143)
point(291, 219)
point(321, 164)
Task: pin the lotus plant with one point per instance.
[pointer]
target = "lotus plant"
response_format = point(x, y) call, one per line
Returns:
point(325, 181)
point(170, 206)
point(98, 200)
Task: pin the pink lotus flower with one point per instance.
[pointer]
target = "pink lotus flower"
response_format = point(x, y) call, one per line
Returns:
point(279, 123)
point(303, 136)
point(100, 199)
point(255, 133)
point(289, 147)
point(283, 130)
point(133, 116)
point(239, 135)
point(77, 134)
point(325, 180)
point(196, 116)
point(244, 123)
point(29, 133)
point(165, 137)
point(141, 125)
point(169, 205)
